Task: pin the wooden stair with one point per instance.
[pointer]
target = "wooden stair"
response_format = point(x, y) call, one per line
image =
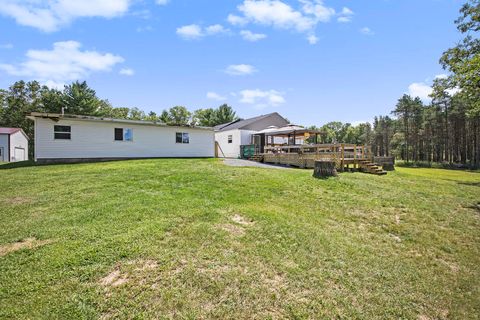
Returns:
point(372, 168)
point(257, 158)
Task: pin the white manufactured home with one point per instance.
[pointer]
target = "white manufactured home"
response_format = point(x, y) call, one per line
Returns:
point(73, 138)
point(13, 145)
point(229, 137)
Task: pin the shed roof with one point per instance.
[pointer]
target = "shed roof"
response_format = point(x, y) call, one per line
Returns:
point(9, 130)
point(239, 124)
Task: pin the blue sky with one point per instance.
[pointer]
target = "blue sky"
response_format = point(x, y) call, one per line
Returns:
point(312, 61)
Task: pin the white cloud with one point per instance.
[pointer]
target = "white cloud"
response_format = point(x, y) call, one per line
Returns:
point(6, 46)
point(280, 15)
point(275, 13)
point(423, 89)
point(367, 31)
point(51, 15)
point(54, 85)
point(420, 89)
point(441, 76)
point(162, 2)
point(236, 20)
point(347, 12)
point(454, 91)
point(65, 62)
point(250, 36)
point(345, 15)
point(215, 29)
point(312, 39)
point(194, 31)
point(262, 99)
point(344, 19)
point(240, 69)
point(126, 72)
point(320, 11)
point(215, 96)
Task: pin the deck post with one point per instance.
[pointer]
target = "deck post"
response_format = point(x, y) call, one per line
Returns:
point(355, 157)
point(363, 152)
point(343, 157)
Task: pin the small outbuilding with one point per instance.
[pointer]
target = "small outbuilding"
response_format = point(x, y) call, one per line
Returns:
point(13, 145)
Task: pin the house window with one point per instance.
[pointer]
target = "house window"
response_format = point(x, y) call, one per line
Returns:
point(182, 137)
point(230, 139)
point(122, 134)
point(62, 132)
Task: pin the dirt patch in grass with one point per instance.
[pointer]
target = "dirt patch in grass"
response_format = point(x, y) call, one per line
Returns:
point(146, 265)
point(238, 227)
point(397, 219)
point(123, 273)
point(395, 237)
point(242, 220)
point(114, 279)
point(18, 200)
point(28, 243)
point(450, 264)
point(233, 229)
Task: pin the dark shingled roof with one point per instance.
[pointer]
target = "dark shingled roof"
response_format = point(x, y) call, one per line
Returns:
point(239, 124)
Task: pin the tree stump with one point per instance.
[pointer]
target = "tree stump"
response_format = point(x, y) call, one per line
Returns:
point(387, 163)
point(324, 169)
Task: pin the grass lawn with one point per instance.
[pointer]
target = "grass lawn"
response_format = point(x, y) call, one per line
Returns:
point(196, 239)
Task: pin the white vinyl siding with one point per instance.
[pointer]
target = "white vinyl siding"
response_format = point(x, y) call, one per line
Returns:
point(5, 148)
point(232, 150)
point(18, 148)
point(95, 139)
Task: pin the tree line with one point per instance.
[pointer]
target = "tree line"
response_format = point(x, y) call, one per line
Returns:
point(445, 130)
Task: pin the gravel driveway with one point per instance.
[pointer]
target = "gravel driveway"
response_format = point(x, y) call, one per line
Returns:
point(247, 163)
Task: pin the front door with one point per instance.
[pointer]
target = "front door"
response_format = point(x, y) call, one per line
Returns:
point(1, 155)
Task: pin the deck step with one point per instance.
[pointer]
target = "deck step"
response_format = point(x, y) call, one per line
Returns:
point(257, 158)
point(372, 168)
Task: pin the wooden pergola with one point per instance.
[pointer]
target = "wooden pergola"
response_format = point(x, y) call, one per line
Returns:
point(291, 134)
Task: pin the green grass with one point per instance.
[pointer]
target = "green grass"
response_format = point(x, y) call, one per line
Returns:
point(403, 246)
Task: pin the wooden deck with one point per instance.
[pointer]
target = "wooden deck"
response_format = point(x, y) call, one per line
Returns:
point(346, 156)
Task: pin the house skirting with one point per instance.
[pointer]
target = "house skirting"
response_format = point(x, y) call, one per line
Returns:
point(85, 160)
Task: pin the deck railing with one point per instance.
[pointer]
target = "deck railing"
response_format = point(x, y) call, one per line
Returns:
point(305, 155)
point(348, 151)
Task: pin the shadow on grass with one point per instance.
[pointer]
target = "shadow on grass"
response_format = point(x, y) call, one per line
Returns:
point(475, 206)
point(31, 163)
point(469, 183)
point(20, 164)
point(435, 165)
